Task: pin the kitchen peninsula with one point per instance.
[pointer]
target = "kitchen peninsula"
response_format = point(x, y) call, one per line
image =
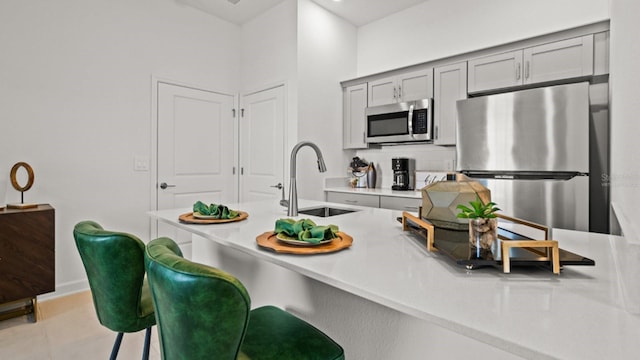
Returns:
point(583, 313)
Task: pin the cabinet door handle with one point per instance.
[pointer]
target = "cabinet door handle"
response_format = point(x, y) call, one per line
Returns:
point(410, 123)
point(518, 71)
point(351, 201)
point(395, 93)
point(399, 92)
point(526, 70)
point(436, 133)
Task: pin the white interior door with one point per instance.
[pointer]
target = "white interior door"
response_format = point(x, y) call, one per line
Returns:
point(262, 144)
point(196, 150)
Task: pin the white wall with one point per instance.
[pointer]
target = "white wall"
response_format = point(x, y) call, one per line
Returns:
point(268, 49)
point(75, 102)
point(625, 106)
point(269, 58)
point(326, 55)
point(425, 157)
point(440, 28)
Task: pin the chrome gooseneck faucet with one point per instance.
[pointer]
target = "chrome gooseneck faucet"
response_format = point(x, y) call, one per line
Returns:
point(293, 190)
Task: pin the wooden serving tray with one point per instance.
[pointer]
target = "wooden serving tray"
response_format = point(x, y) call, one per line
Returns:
point(188, 218)
point(517, 249)
point(269, 241)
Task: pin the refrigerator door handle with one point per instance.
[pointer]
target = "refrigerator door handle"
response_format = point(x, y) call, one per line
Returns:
point(523, 175)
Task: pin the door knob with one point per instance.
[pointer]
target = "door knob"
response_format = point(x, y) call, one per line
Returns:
point(164, 185)
point(283, 201)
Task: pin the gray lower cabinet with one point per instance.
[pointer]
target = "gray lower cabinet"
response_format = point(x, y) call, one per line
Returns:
point(400, 203)
point(378, 201)
point(354, 199)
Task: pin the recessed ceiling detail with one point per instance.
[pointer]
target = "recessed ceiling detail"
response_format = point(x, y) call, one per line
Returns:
point(357, 12)
point(362, 12)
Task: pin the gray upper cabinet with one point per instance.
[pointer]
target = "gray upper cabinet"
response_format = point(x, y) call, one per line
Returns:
point(558, 60)
point(450, 85)
point(404, 87)
point(495, 71)
point(354, 103)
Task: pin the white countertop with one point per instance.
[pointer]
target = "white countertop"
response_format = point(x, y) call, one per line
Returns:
point(586, 312)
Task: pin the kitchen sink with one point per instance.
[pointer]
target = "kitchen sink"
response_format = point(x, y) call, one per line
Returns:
point(325, 211)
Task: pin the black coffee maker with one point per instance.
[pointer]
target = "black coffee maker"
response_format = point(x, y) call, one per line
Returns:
point(401, 177)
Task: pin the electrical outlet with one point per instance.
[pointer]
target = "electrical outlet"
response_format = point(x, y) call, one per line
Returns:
point(140, 163)
point(448, 164)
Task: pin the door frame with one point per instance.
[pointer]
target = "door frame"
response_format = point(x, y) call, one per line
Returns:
point(153, 157)
point(290, 129)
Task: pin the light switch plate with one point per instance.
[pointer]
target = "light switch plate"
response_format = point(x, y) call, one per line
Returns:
point(140, 163)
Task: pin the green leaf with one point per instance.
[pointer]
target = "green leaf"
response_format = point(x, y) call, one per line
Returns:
point(478, 209)
point(201, 208)
point(217, 211)
point(305, 230)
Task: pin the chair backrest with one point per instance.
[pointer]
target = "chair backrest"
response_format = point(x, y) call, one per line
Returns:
point(202, 312)
point(114, 263)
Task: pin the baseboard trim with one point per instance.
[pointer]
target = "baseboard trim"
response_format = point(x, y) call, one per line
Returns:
point(66, 289)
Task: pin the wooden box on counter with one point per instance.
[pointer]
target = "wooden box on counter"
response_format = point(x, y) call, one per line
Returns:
point(27, 257)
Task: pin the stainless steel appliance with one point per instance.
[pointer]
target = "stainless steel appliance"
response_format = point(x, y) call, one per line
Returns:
point(400, 122)
point(401, 174)
point(531, 149)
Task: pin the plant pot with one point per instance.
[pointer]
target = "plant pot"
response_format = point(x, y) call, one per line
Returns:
point(483, 239)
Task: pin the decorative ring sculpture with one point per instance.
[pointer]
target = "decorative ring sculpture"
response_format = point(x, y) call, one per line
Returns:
point(14, 180)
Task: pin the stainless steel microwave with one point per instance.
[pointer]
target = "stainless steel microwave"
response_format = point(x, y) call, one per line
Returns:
point(400, 122)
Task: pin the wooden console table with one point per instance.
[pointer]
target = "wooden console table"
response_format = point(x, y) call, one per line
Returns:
point(27, 258)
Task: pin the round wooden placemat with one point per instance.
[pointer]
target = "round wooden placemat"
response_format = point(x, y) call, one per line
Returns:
point(269, 241)
point(188, 218)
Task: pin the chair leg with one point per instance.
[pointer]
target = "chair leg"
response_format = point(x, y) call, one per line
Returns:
point(147, 343)
point(116, 346)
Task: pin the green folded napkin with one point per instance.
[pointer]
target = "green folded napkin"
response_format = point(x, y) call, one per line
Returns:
point(217, 211)
point(305, 230)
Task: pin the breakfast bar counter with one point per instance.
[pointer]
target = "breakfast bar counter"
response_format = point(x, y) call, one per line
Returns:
point(585, 312)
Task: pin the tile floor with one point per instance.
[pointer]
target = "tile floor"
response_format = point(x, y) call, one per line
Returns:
point(67, 328)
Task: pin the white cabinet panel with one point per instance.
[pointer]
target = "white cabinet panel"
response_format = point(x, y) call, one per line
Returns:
point(495, 71)
point(409, 86)
point(382, 92)
point(416, 85)
point(353, 118)
point(559, 60)
point(450, 86)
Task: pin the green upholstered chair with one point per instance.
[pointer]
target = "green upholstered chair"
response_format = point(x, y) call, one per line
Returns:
point(114, 263)
point(205, 313)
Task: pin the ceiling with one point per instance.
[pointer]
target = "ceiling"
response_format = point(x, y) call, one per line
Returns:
point(357, 12)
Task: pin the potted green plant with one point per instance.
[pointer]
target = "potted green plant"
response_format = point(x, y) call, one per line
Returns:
point(483, 229)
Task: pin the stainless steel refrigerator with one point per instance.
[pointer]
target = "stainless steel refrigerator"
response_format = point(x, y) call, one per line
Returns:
point(531, 148)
